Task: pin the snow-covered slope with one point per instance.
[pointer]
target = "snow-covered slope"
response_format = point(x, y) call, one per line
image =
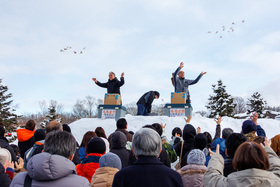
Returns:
point(80, 127)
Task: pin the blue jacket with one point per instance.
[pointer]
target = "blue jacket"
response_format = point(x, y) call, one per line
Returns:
point(147, 171)
point(82, 153)
point(182, 85)
point(260, 131)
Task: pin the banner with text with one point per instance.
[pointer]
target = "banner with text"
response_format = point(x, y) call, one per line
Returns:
point(108, 114)
point(174, 112)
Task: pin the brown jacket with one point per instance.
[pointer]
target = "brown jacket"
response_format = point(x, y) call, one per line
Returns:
point(103, 177)
point(192, 175)
point(275, 144)
point(248, 177)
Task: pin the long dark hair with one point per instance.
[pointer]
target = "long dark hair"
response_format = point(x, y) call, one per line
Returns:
point(100, 132)
point(87, 137)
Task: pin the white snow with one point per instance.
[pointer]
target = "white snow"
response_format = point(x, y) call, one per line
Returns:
point(80, 127)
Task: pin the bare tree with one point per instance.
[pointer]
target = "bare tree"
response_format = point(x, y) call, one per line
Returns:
point(158, 109)
point(240, 105)
point(90, 105)
point(79, 110)
point(86, 108)
point(131, 108)
point(43, 107)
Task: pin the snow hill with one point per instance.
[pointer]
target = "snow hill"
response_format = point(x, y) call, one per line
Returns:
point(80, 127)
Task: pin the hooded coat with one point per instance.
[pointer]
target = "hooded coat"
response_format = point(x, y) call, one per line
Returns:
point(88, 167)
point(248, 177)
point(50, 170)
point(118, 144)
point(26, 140)
point(103, 177)
point(192, 175)
point(189, 133)
point(4, 143)
point(113, 86)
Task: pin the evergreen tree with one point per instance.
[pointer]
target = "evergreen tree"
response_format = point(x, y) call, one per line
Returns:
point(52, 114)
point(220, 103)
point(7, 117)
point(256, 104)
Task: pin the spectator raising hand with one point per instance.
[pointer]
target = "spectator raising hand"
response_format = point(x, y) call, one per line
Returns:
point(254, 118)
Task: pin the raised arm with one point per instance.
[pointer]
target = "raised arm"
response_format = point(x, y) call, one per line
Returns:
point(191, 82)
point(175, 74)
point(218, 127)
point(103, 85)
point(260, 130)
point(214, 173)
point(272, 157)
point(122, 80)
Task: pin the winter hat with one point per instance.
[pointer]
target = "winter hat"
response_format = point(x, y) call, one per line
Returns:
point(197, 157)
point(118, 140)
point(226, 132)
point(110, 160)
point(4, 156)
point(96, 145)
point(248, 126)
point(200, 141)
point(39, 134)
point(66, 128)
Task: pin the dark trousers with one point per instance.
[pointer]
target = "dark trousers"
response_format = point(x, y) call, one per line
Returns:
point(141, 110)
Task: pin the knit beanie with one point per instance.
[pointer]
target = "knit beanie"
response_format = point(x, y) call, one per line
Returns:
point(248, 126)
point(39, 134)
point(4, 156)
point(96, 145)
point(197, 157)
point(110, 160)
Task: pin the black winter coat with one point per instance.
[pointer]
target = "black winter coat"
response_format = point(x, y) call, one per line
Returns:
point(5, 181)
point(4, 143)
point(189, 133)
point(118, 146)
point(24, 146)
point(147, 171)
point(113, 86)
point(147, 100)
point(228, 168)
point(163, 158)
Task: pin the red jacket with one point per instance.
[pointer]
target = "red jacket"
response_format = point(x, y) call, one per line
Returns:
point(88, 167)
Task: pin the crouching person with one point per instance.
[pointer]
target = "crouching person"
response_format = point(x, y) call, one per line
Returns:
point(53, 167)
point(147, 170)
point(109, 165)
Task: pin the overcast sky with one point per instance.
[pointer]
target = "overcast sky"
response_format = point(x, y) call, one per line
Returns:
point(145, 39)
